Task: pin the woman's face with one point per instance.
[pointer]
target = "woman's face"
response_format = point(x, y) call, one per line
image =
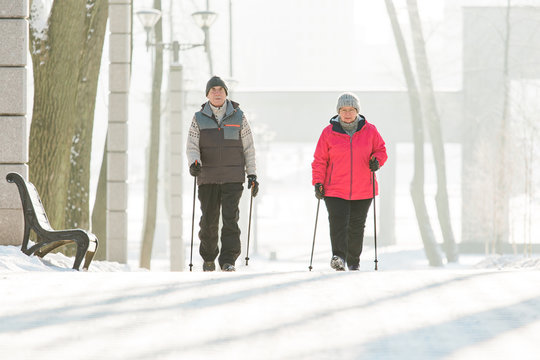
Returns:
point(348, 114)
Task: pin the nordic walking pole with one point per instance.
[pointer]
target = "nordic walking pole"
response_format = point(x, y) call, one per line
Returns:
point(249, 226)
point(192, 222)
point(375, 222)
point(314, 233)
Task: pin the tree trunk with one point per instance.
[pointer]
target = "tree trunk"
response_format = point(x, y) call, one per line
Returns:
point(434, 127)
point(56, 61)
point(77, 211)
point(501, 197)
point(153, 160)
point(431, 248)
point(99, 212)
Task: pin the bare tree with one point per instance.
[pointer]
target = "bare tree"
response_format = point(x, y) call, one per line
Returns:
point(66, 56)
point(432, 250)
point(77, 209)
point(524, 130)
point(99, 212)
point(432, 120)
point(153, 160)
point(501, 194)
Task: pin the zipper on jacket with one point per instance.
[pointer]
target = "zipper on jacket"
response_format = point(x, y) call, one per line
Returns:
point(351, 143)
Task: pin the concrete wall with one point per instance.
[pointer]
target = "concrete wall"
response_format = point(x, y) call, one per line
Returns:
point(13, 121)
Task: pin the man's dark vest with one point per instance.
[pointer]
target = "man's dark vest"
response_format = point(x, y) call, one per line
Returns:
point(222, 153)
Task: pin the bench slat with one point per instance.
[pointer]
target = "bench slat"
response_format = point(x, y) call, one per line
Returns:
point(38, 207)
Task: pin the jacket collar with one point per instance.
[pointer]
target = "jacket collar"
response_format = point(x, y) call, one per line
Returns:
point(231, 108)
point(336, 125)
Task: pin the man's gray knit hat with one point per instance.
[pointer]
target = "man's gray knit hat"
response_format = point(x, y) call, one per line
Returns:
point(216, 81)
point(348, 99)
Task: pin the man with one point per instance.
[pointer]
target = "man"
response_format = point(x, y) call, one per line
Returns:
point(220, 152)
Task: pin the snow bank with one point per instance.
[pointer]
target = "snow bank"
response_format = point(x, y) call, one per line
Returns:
point(509, 262)
point(392, 258)
point(12, 259)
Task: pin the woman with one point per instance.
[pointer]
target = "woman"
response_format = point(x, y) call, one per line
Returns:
point(349, 149)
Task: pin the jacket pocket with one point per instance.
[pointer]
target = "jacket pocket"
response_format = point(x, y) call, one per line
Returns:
point(231, 132)
point(330, 175)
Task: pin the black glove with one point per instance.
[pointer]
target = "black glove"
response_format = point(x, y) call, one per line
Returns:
point(319, 191)
point(374, 164)
point(195, 169)
point(253, 184)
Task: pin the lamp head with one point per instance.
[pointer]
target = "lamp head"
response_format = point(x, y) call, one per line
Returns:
point(148, 18)
point(204, 19)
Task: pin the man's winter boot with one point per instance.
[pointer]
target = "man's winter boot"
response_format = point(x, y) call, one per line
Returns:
point(337, 263)
point(353, 267)
point(227, 267)
point(208, 266)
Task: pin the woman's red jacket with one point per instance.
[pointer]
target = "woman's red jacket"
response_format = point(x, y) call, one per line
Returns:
point(341, 162)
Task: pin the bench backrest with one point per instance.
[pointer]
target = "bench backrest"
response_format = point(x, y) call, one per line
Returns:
point(38, 206)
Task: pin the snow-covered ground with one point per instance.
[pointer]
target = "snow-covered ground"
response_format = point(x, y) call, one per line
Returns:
point(478, 309)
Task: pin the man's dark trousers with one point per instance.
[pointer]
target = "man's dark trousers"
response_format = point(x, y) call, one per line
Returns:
point(212, 198)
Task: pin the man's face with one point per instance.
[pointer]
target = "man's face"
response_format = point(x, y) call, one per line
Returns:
point(217, 96)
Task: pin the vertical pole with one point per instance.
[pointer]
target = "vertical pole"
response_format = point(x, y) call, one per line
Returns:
point(208, 50)
point(314, 233)
point(230, 40)
point(375, 222)
point(192, 223)
point(249, 227)
point(117, 135)
point(176, 165)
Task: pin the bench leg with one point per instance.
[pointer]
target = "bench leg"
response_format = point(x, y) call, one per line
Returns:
point(88, 259)
point(26, 238)
point(81, 250)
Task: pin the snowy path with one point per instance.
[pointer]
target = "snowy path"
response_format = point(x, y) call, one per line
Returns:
point(413, 314)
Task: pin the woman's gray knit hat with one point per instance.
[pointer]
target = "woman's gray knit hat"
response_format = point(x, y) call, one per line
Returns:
point(348, 99)
point(216, 81)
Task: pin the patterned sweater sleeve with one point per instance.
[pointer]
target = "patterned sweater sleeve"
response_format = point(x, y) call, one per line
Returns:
point(249, 147)
point(192, 147)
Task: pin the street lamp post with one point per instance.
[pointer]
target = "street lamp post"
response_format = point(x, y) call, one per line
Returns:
point(204, 20)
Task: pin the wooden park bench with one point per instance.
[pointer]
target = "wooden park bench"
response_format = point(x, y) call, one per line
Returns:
point(49, 239)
